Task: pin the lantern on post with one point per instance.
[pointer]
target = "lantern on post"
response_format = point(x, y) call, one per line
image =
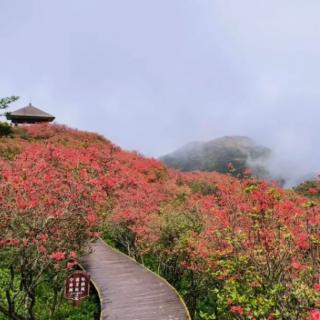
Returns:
point(77, 286)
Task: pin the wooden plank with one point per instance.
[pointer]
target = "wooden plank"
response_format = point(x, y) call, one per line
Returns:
point(128, 290)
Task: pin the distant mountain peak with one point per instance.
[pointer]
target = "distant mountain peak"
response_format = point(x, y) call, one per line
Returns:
point(214, 155)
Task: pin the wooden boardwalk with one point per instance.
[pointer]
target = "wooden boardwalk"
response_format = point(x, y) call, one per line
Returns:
point(128, 291)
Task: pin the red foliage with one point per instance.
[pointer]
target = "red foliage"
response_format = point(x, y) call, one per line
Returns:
point(314, 315)
point(237, 310)
point(57, 256)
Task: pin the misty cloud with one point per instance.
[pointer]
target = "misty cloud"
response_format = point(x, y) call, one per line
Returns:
point(153, 75)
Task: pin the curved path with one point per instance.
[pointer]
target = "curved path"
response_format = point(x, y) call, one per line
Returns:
point(128, 290)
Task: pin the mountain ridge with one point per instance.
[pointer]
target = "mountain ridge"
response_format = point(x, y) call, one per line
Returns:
point(216, 154)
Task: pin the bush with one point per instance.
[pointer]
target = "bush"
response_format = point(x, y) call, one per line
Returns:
point(5, 129)
point(203, 187)
point(249, 251)
point(47, 218)
point(21, 132)
point(89, 308)
point(9, 152)
point(310, 189)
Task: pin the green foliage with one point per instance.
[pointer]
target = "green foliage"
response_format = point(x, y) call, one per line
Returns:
point(9, 152)
point(250, 188)
point(4, 102)
point(178, 226)
point(5, 129)
point(310, 189)
point(20, 132)
point(203, 187)
point(160, 174)
point(89, 308)
point(121, 236)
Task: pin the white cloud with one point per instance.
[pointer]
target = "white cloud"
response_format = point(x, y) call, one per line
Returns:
point(152, 75)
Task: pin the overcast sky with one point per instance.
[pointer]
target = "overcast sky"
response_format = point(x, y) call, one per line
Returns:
point(152, 75)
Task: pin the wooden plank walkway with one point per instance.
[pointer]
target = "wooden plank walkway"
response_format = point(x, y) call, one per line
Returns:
point(128, 290)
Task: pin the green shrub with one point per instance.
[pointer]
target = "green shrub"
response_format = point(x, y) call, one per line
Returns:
point(9, 152)
point(89, 308)
point(22, 133)
point(5, 129)
point(203, 187)
point(310, 189)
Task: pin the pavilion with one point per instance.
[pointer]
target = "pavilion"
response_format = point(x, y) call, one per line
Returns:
point(29, 114)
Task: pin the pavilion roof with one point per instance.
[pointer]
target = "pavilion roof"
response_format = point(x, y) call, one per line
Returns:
point(30, 112)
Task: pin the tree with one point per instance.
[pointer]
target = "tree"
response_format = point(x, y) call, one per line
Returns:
point(4, 102)
point(5, 128)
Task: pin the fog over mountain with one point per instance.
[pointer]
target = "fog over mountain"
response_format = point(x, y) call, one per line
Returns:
point(242, 152)
point(154, 75)
point(219, 154)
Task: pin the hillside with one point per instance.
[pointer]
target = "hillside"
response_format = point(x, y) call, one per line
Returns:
point(309, 188)
point(235, 249)
point(215, 155)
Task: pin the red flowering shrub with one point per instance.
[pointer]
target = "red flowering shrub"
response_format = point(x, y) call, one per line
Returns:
point(314, 315)
point(47, 215)
point(235, 249)
point(237, 310)
point(57, 256)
